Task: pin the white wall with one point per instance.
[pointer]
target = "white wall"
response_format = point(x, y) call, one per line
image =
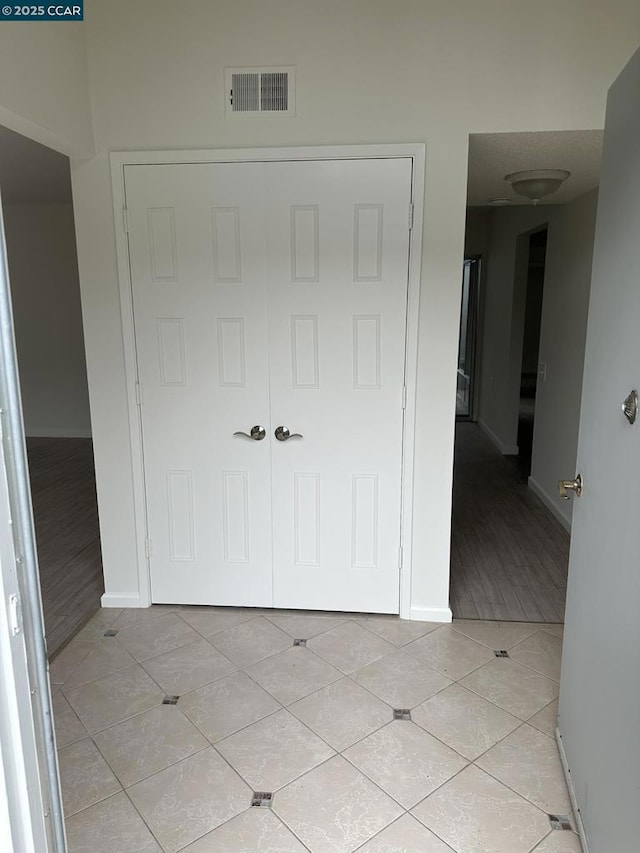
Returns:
point(562, 341)
point(367, 71)
point(44, 92)
point(45, 291)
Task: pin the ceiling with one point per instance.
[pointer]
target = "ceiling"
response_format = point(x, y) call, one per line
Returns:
point(30, 173)
point(494, 155)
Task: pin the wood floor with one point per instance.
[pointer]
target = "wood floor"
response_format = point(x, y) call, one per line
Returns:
point(65, 511)
point(509, 555)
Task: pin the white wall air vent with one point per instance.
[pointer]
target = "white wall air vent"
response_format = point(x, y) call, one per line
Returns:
point(260, 91)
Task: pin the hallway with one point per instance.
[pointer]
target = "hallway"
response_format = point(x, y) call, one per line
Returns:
point(509, 555)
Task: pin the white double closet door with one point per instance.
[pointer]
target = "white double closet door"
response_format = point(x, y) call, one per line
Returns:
point(272, 295)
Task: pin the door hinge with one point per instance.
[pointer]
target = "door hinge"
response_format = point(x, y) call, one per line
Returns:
point(148, 548)
point(125, 220)
point(138, 393)
point(15, 614)
point(400, 557)
point(410, 217)
point(404, 396)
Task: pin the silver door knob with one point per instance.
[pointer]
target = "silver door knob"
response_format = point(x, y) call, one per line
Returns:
point(282, 434)
point(576, 486)
point(257, 433)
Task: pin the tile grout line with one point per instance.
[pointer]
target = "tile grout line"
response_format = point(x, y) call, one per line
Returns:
point(363, 624)
point(155, 772)
point(228, 820)
point(499, 706)
point(328, 628)
point(96, 802)
point(486, 772)
point(375, 784)
point(140, 663)
point(141, 816)
point(341, 675)
point(501, 781)
point(207, 683)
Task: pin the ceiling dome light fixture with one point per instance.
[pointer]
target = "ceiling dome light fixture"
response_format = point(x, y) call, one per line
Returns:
point(535, 184)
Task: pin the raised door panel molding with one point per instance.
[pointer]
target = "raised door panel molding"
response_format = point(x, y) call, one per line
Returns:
point(305, 367)
point(364, 521)
point(367, 242)
point(171, 351)
point(231, 352)
point(180, 505)
point(162, 244)
point(305, 243)
point(306, 510)
point(235, 510)
point(366, 352)
point(227, 266)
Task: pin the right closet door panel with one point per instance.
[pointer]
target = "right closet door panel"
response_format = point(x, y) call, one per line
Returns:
point(337, 268)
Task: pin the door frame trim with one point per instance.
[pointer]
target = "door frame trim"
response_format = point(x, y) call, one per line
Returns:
point(118, 160)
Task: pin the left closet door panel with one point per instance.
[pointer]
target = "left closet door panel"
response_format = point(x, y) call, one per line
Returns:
point(197, 253)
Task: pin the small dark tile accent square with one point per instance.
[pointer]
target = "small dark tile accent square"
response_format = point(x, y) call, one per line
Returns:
point(501, 653)
point(262, 799)
point(111, 632)
point(560, 821)
point(170, 700)
point(401, 714)
point(299, 642)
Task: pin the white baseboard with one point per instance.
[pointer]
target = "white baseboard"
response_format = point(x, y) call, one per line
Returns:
point(56, 432)
point(431, 614)
point(121, 599)
point(505, 449)
point(540, 493)
point(572, 793)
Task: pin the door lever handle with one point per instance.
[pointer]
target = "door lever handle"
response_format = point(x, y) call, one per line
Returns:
point(257, 433)
point(576, 486)
point(282, 434)
point(630, 407)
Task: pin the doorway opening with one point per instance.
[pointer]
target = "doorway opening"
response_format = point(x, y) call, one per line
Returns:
point(40, 233)
point(531, 367)
point(510, 529)
point(465, 392)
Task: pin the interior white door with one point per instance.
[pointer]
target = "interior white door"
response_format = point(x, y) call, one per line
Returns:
point(197, 253)
point(338, 247)
point(267, 295)
point(600, 687)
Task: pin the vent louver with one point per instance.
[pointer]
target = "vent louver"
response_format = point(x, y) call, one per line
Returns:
point(260, 91)
point(245, 93)
point(274, 91)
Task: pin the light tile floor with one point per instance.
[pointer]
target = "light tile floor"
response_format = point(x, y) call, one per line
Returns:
point(475, 769)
